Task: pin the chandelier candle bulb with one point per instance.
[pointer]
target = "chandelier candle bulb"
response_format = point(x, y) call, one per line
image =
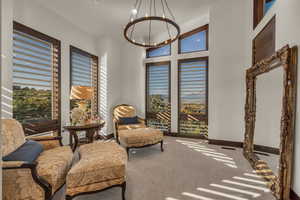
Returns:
point(134, 11)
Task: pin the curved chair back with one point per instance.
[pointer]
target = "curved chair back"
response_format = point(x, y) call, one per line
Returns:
point(123, 110)
point(12, 135)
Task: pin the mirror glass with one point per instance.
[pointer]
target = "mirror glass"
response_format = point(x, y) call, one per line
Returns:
point(269, 93)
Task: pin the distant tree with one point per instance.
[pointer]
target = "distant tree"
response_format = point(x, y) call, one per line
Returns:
point(31, 103)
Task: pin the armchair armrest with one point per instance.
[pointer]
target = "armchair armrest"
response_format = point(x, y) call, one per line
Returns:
point(16, 164)
point(48, 142)
point(20, 174)
point(142, 120)
point(44, 138)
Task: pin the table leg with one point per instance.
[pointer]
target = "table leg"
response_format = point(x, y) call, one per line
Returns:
point(73, 134)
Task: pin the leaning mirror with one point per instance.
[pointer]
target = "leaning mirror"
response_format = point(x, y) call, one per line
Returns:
point(270, 119)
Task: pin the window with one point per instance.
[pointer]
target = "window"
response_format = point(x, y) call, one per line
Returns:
point(193, 97)
point(193, 41)
point(158, 108)
point(161, 51)
point(261, 7)
point(84, 72)
point(36, 84)
point(264, 42)
point(268, 5)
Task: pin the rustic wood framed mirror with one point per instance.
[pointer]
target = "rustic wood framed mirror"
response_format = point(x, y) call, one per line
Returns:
point(286, 59)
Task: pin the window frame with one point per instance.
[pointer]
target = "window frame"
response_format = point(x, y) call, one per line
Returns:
point(192, 32)
point(95, 75)
point(180, 61)
point(168, 62)
point(54, 124)
point(258, 11)
point(150, 49)
point(270, 24)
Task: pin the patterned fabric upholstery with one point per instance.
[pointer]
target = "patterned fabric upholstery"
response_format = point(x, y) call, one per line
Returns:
point(46, 141)
point(140, 137)
point(101, 165)
point(131, 126)
point(124, 111)
point(12, 135)
point(54, 164)
point(18, 184)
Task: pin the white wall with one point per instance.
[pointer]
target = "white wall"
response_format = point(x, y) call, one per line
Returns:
point(109, 51)
point(6, 55)
point(227, 70)
point(41, 19)
point(6, 13)
point(133, 77)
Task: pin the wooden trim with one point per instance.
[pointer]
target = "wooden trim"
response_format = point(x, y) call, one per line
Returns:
point(260, 148)
point(226, 143)
point(176, 134)
point(192, 32)
point(294, 195)
point(180, 61)
point(286, 58)
point(146, 85)
point(56, 70)
point(25, 29)
point(258, 11)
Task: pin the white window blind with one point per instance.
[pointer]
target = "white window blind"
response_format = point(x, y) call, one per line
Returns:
point(193, 96)
point(81, 69)
point(32, 62)
point(158, 113)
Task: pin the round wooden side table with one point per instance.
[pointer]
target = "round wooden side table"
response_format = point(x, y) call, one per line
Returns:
point(91, 131)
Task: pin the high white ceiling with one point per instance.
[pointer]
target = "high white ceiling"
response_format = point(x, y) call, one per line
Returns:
point(102, 17)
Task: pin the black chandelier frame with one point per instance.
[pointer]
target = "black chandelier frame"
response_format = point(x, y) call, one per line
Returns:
point(134, 21)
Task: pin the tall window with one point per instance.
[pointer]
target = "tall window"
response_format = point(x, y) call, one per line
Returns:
point(193, 41)
point(36, 83)
point(158, 108)
point(157, 52)
point(84, 72)
point(193, 96)
point(261, 7)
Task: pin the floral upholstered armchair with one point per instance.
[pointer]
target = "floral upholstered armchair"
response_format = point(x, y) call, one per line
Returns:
point(33, 168)
point(125, 111)
point(132, 132)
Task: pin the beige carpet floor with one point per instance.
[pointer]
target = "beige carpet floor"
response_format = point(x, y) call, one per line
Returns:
point(189, 169)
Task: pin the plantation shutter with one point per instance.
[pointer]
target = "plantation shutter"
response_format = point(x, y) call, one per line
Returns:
point(36, 80)
point(193, 96)
point(84, 72)
point(158, 113)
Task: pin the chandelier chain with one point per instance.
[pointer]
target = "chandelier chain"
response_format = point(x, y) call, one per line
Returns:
point(170, 11)
point(164, 16)
point(150, 22)
point(137, 14)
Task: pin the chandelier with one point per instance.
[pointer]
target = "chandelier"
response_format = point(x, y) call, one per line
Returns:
point(151, 24)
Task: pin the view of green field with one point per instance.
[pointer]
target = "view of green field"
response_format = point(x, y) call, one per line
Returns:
point(31, 103)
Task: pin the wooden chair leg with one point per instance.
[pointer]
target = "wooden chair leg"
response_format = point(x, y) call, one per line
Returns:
point(127, 150)
point(123, 190)
point(162, 146)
